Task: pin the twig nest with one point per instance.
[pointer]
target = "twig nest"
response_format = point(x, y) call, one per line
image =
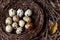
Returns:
point(20, 12)
point(27, 19)
point(15, 25)
point(9, 28)
point(21, 23)
point(8, 20)
point(12, 12)
point(28, 25)
point(15, 18)
point(19, 30)
point(28, 12)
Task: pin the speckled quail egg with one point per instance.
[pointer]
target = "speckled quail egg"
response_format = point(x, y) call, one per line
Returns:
point(27, 19)
point(8, 20)
point(28, 25)
point(15, 18)
point(9, 28)
point(28, 12)
point(21, 23)
point(12, 12)
point(15, 25)
point(19, 30)
point(20, 12)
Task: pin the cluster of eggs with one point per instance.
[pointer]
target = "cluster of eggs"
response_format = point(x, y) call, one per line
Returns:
point(18, 20)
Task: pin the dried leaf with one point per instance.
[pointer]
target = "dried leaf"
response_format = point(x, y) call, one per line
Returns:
point(54, 28)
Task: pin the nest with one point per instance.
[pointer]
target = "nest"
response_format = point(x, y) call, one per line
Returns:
point(38, 19)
